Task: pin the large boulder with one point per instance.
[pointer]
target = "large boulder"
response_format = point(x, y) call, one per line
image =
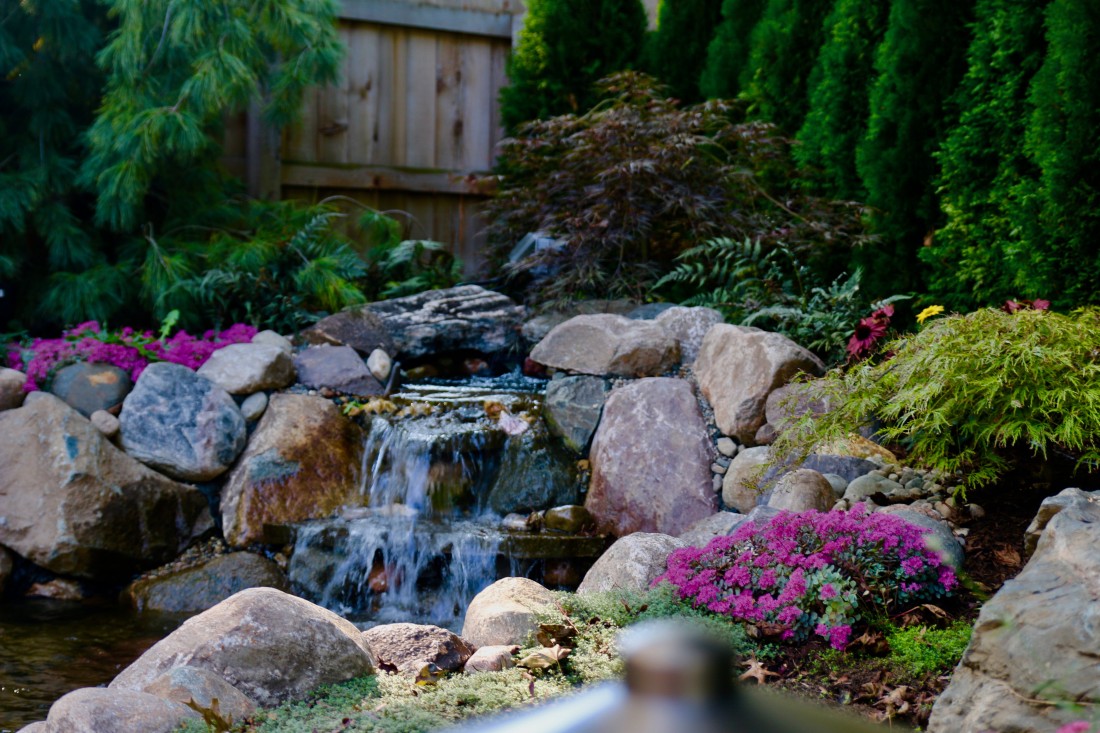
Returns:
point(536, 327)
point(203, 691)
point(609, 345)
point(651, 460)
point(738, 367)
point(572, 409)
point(336, 367)
point(12, 393)
point(271, 646)
point(465, 318)
point(505, 613)
point(197, 587)
point(716, 525)
point(181, 424)
point(90, 387)
point(535, 473)
point(1039, 633)
point(1050, 507)
point(689, 326)
point(302, 462)
point(407, 648)
point(243, 369)
point(76, 505)
point(357, 328)
point(98, 710)
point(937, 533)
point(632, 563)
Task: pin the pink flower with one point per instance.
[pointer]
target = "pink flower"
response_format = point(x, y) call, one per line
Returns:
point(1079, 726)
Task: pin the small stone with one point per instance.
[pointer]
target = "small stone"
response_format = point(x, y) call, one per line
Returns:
point(976, 511)
point(491, 659)
point(718, 468)
point(569, 519)
point(915, 483)
point(716, 482)
point(942, 509)
point(253, 406)
point(951, 502)
point(57, 589)
point(106, 423)
point(838, 482)
point(893, 477)
point(727, 447)
point(380, 364)
point(802, 490)
point(11, 388)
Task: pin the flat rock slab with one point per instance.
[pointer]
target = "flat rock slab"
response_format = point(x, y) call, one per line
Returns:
point(302, 462)
point(357, 328)
point(243, 369)
point(465, 318)
point(1041, 631)
point(78, 506)
point(336, 367)
point(181, 424)
point(609, 345)
point(738, 367)
point(271, 646)
point(651, 459)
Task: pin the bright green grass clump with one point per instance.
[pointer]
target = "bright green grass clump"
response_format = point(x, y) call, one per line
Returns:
point(920, 650)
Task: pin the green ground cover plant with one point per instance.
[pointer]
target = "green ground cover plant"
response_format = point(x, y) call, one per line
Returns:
point(973, 396)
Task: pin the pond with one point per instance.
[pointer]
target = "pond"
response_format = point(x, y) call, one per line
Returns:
point(49, 648)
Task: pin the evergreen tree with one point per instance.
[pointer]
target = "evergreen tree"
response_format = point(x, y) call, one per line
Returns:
point(564, 48)
point(974, 258)
point(677, 51)
point(785, 45)
point(728, 53)
point(144, 87)
point(919, 64)
point(839, 88)
point(1060, 212)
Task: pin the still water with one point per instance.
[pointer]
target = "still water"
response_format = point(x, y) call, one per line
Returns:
point(49, 648)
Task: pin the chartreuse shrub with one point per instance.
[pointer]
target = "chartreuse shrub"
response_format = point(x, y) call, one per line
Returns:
point(802, 574)
point(973, 395)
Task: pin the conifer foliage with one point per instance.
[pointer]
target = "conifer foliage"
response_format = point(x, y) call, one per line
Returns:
point(727, 66)
point(677, 51)
point(564, 48)
point(109, 129)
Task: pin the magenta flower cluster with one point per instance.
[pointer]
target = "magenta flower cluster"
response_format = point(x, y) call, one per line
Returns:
point(811, 572)
point(127, 349)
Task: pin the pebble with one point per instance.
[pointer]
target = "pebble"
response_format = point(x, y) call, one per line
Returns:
point(717, 483)
point(718, 468)
point(976, 511)
point(105, 423)
point(727, 447)
point(253, 406)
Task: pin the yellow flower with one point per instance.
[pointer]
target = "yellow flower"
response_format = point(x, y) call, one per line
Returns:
point(932, 310)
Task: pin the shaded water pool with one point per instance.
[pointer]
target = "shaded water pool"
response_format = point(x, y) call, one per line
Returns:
point(49, 648)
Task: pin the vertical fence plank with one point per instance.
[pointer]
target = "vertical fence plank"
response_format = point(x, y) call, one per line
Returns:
point(420, 95)
point(363, 90)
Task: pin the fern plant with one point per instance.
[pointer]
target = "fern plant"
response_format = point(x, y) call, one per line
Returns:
point(415, 265)
point(973, 396)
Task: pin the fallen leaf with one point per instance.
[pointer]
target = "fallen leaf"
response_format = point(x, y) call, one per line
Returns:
point(1007, 556)
point(756, 671)
point(544, 658)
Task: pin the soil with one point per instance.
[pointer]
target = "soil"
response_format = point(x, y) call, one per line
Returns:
point(865, 684)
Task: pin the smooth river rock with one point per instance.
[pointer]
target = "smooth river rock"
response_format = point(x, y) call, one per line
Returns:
point(271, 646)
point(198, 587)
point(1040, 632)
point(505, 613)
point(181, 424)
point(11, 388)
point(689, 326)
point(90, 387)
point(336, 367)
point(78, 506)
point(302, 462)
point(651, 460)
point(99, 710)
point(409, 647)
point(738, 367)
point(205, 691)
point(632, 563)
point(801, 490)
point(609, 345)
point(464, 318)
point(243, 369)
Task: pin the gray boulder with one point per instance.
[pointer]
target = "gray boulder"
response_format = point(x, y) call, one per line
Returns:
point(505, 613)
point(744, 477)
point(608, 345)
point(271, 646)
point(78, 506)
point(272, 338)
point(11, 388)
point(181, 424)
point(464, 318)
point(338, 368)
point(243, 369)
point(802, 490)
point(1050, 507)
point(847, 467)
point(689, 326)
point(1039, 633)
point(572, 409)
point(409, 647)
point(302, 462)
point(738, 367)
point(716, 525)
point(89, 387)
point(651, 459)
point(357, 328)
point(535, 473)
point(632, 563)
point(792, 401)
point(99, 710)
point(536, 327)
point(203, 691)
point(196, 588)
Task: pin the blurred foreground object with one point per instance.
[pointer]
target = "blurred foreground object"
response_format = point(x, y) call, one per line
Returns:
point(677, 679)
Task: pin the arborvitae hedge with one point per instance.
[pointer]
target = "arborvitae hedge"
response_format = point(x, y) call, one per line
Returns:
point(728, 54)
point(839, 89)
point(975, 258)
point(677, 51)
point(919, 65)
point(785, 45)
point(1060, 213)
point(564, 48)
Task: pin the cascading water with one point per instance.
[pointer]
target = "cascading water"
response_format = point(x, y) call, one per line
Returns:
point(427, 537)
